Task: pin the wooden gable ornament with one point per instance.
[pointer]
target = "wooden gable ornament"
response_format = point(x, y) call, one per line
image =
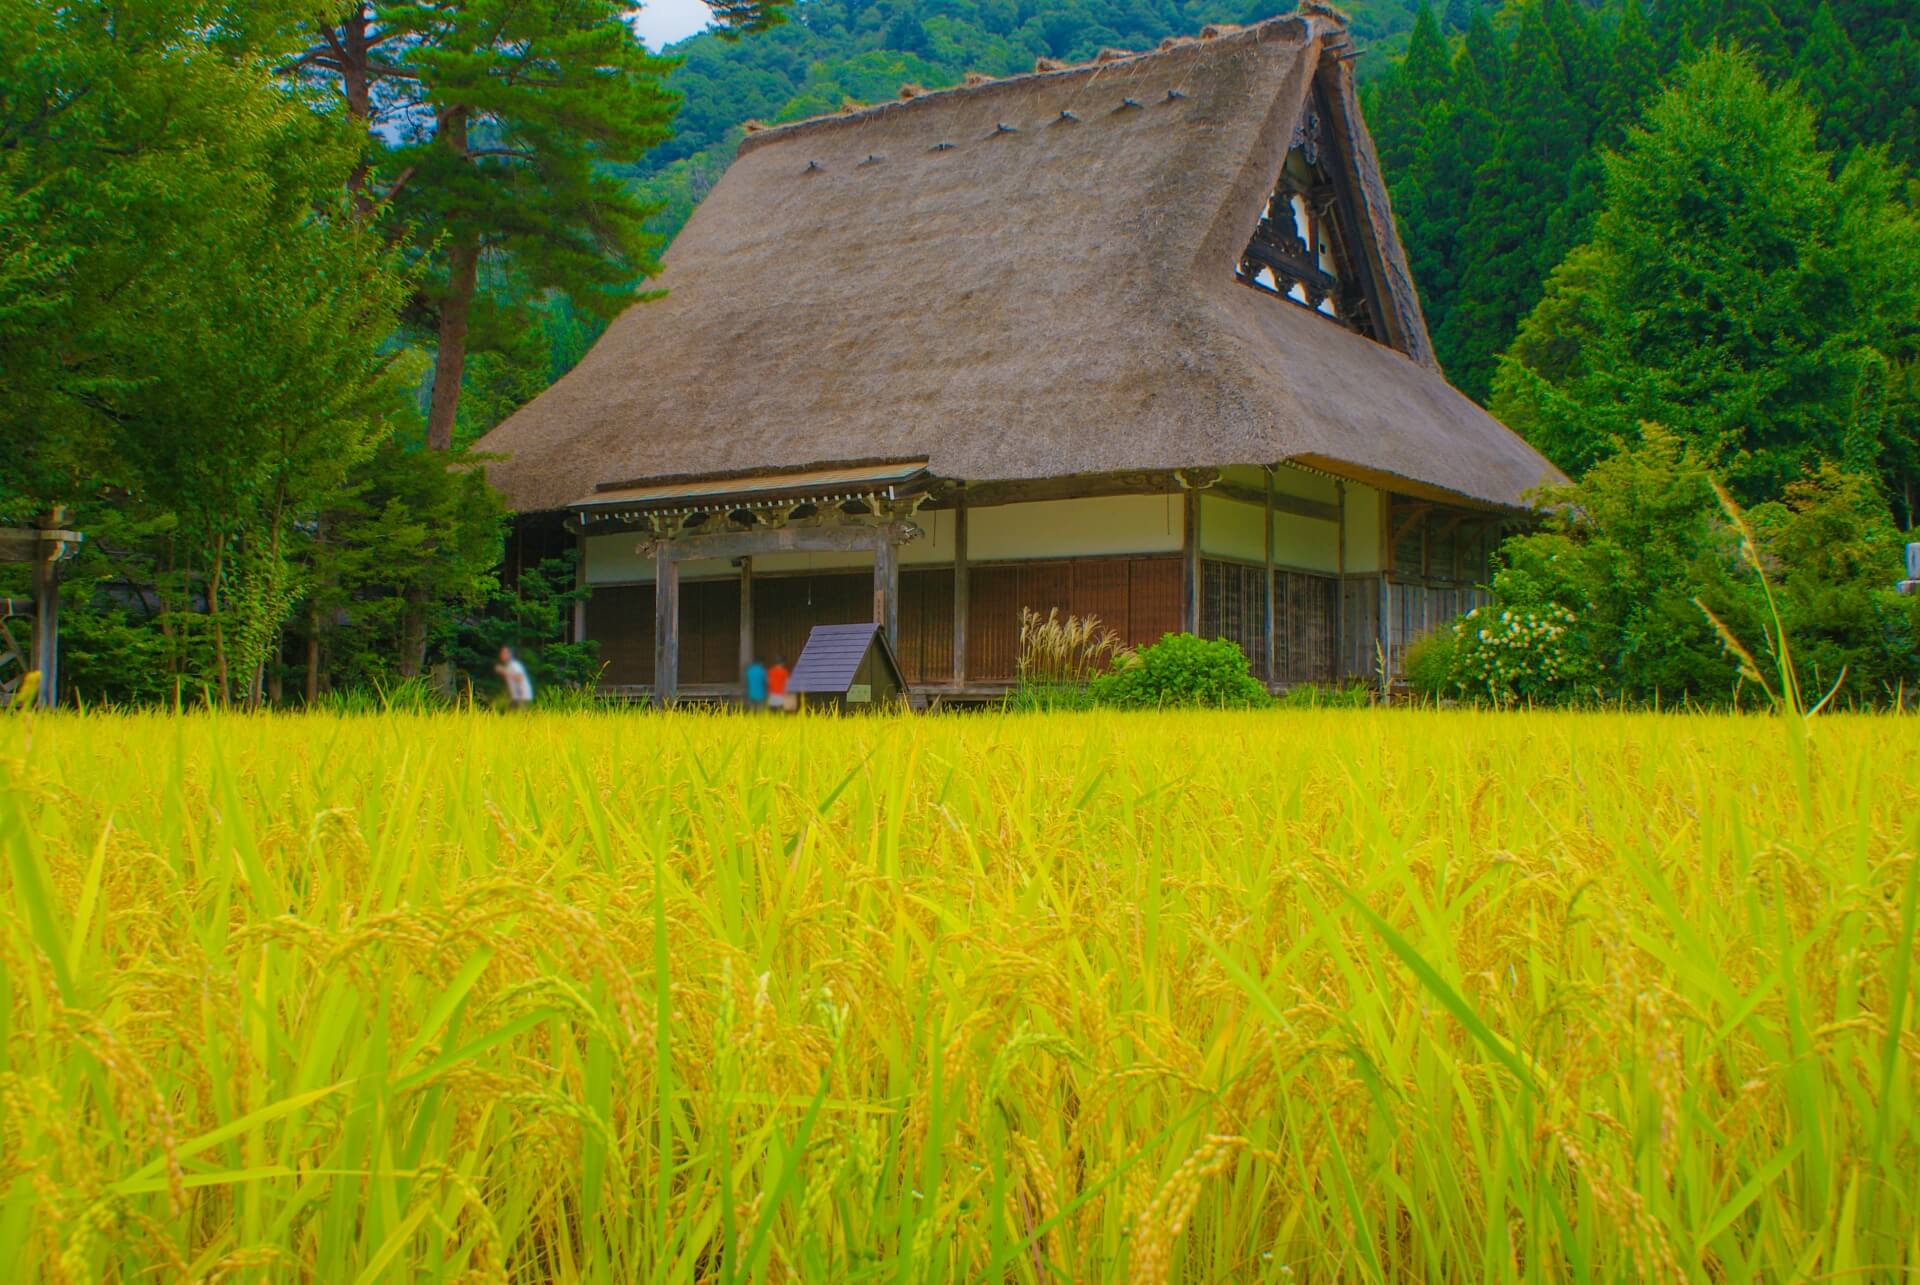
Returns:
point(849, 667)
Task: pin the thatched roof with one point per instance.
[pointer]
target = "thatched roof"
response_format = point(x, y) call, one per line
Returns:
point(1019, 279)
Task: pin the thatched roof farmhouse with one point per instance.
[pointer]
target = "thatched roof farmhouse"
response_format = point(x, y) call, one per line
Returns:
point(1134, 338)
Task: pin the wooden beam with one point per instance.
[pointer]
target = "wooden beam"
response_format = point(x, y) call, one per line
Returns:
point(1273, 636)
point(1318, 510)
point(852, 538)
point(1190, 608)
point(31, 544)
point(1396, 534)
point(961, 589)
point(746, 615)
point(982, 495)
point(666, 626)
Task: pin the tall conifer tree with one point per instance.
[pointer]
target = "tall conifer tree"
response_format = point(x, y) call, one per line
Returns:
point(1400, 114)
point(1542, 136)
point(491, 126)
point(1736, 290)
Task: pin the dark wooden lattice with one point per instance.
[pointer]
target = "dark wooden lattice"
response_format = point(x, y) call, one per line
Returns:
point(1306, 248)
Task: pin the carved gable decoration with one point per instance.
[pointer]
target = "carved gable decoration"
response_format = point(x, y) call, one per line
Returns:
point(1307, 248)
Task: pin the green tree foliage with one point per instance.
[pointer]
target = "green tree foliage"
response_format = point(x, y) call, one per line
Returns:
point(397, 561)
point(1736, 290)
point(1635, 550)
point(1405, 112)
point(197, 340)
point(491, 125)
point(1543, 135)
point(1484, 227)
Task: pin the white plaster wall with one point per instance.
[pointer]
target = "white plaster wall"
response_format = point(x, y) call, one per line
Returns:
point(615, 559)
point(1363, 528)
point(1234, 529)
point(1075, 528)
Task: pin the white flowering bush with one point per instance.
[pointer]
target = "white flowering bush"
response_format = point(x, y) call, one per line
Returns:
point(1512, 654)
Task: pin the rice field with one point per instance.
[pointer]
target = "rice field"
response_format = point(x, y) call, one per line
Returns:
point(1280, 997)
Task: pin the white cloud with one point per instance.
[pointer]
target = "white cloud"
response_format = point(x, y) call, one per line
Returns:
point(661, 22)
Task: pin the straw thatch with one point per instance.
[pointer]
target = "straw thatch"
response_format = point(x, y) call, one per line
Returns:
point(1026, 279)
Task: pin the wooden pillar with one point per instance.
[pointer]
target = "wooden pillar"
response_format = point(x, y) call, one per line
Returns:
point(886, 587)
point(580, 582)
point(746, 615)
point(1340, 580)
point(45, 649)
point(1384, 656)
point(960, 589)
point(1273, 636)
point(1190, 609)
point(666, 625)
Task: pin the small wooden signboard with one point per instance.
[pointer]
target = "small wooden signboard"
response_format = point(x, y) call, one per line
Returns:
point(848, 667)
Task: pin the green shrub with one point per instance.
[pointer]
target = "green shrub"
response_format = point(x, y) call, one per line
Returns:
point(1428, 665)
point(1181, 669)
point(1517, 655)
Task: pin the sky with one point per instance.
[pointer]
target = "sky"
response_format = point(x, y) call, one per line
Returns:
point(661, 22)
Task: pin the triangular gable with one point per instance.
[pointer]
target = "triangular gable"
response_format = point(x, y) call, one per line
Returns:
point(1325, 239)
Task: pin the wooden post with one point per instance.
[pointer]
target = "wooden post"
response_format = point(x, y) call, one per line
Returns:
point(1190, 609)
point(580, 582)
point(1385, 656)
point(1273, 636)
point(746, 614)
point(45, 650)
point(960, 589)
point(1340, 580)
point(666, 625)
point(886, 588)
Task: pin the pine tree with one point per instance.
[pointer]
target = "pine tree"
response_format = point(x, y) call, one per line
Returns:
point(1736, 291)
point(1542, 135)
point(1458, 16)
point(1831, 75)
point(1754, 25)
point(1461, 141)
point(1582, 63)
point(491, 127)
point(1633, 78)
point(1489, 59)
point(1399, 119)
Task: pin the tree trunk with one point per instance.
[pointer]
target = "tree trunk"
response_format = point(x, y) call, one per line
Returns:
point(356, 86)
point(213, 614)
point(313, 657)
point(413, 635)
point(450, 359)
